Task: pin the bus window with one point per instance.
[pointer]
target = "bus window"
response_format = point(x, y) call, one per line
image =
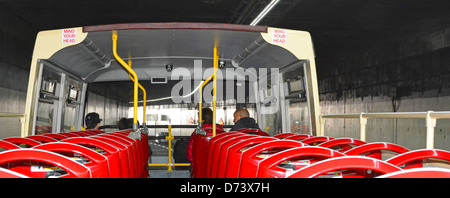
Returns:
point(71, 104)
point(59, 106)
point(48, 97)
point(297, 114)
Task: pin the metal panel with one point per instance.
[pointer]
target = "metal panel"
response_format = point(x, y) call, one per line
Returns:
point(12, 102)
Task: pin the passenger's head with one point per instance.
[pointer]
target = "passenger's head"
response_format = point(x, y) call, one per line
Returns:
point(124, 123)
point(130, 123)
point(92, 120)
point(239, 114)
point(207, 115)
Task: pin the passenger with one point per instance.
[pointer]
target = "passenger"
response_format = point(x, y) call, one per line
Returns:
point(179, 153)
point(207, 116)
point(242, 120)
point(124, 123)
point(92, 121)
point(130, 123)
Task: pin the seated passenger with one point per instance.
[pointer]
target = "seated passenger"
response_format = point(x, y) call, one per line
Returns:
point(92, 121)
point(242, 120)
point(124, 123)
point(207, 116)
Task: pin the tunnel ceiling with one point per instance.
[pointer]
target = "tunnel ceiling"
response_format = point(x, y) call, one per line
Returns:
point(336, 25)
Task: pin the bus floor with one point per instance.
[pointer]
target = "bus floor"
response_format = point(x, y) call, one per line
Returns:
point(169, 174)
point(159, 149)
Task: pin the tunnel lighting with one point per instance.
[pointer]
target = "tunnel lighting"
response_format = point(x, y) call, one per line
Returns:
point(266, 10)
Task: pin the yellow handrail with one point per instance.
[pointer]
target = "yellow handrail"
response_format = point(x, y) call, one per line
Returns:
point(216, 68)
point(214, 78)
point(144, 92)
point(169, 137)
point(135, 77)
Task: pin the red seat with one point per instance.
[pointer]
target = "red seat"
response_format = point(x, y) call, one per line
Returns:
point(132, 162)
point(284, 135)
point(78, 133)
point(141, 161)
point(23, 142)
point(218, 169)
point(374, 149)
point(21, 159)
point(123, 153)
point(5, 173)
point(98, 163)
point(314, 141)
point(8, 145)
point(333, 165)
point(419, 173)
point(70, 134)
point(296, 157)
point(142, 150)
point(234, 154)
point(251, 158)
point(95, 131)
point(213, 151)
point(253, 131)
point(414, 159)
point(342, 144)
point(298, 137)
point(56, 136)
point(200, 155)
point(111, 152)
point(42, 138)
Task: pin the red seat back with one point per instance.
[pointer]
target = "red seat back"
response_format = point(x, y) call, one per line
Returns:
point(235, 153)
point(23, 157)
point(111, 152)
point(250, 159)
point(98, 163)
point(297, 157)
point(344, 163)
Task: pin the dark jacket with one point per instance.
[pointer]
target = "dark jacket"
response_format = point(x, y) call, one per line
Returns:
point(247, 123)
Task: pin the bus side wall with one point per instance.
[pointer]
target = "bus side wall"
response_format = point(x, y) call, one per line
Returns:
point(412, 75)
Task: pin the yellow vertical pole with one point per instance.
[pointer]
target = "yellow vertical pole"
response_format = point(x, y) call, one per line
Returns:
point(114, 38)
point(216, 67)
point(144, 93)
point(170, 138)
point(200, 105)
point(214, 78)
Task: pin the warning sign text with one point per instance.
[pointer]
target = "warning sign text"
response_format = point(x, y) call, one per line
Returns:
point(69, 36)
point(279, 36)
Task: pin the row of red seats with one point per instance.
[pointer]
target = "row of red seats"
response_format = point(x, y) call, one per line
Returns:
point(253, 154)
point(81, 154)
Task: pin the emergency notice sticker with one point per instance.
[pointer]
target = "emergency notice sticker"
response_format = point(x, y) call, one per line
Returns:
point(279, 36)
point(69, 36)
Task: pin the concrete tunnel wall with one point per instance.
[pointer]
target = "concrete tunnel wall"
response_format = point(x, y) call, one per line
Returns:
point(411, 74)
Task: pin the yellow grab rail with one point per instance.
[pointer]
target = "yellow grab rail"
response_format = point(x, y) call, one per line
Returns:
point(214, 78)
point(170, 164)
point(135, 77)
point(144, 92)
point(216, 68)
